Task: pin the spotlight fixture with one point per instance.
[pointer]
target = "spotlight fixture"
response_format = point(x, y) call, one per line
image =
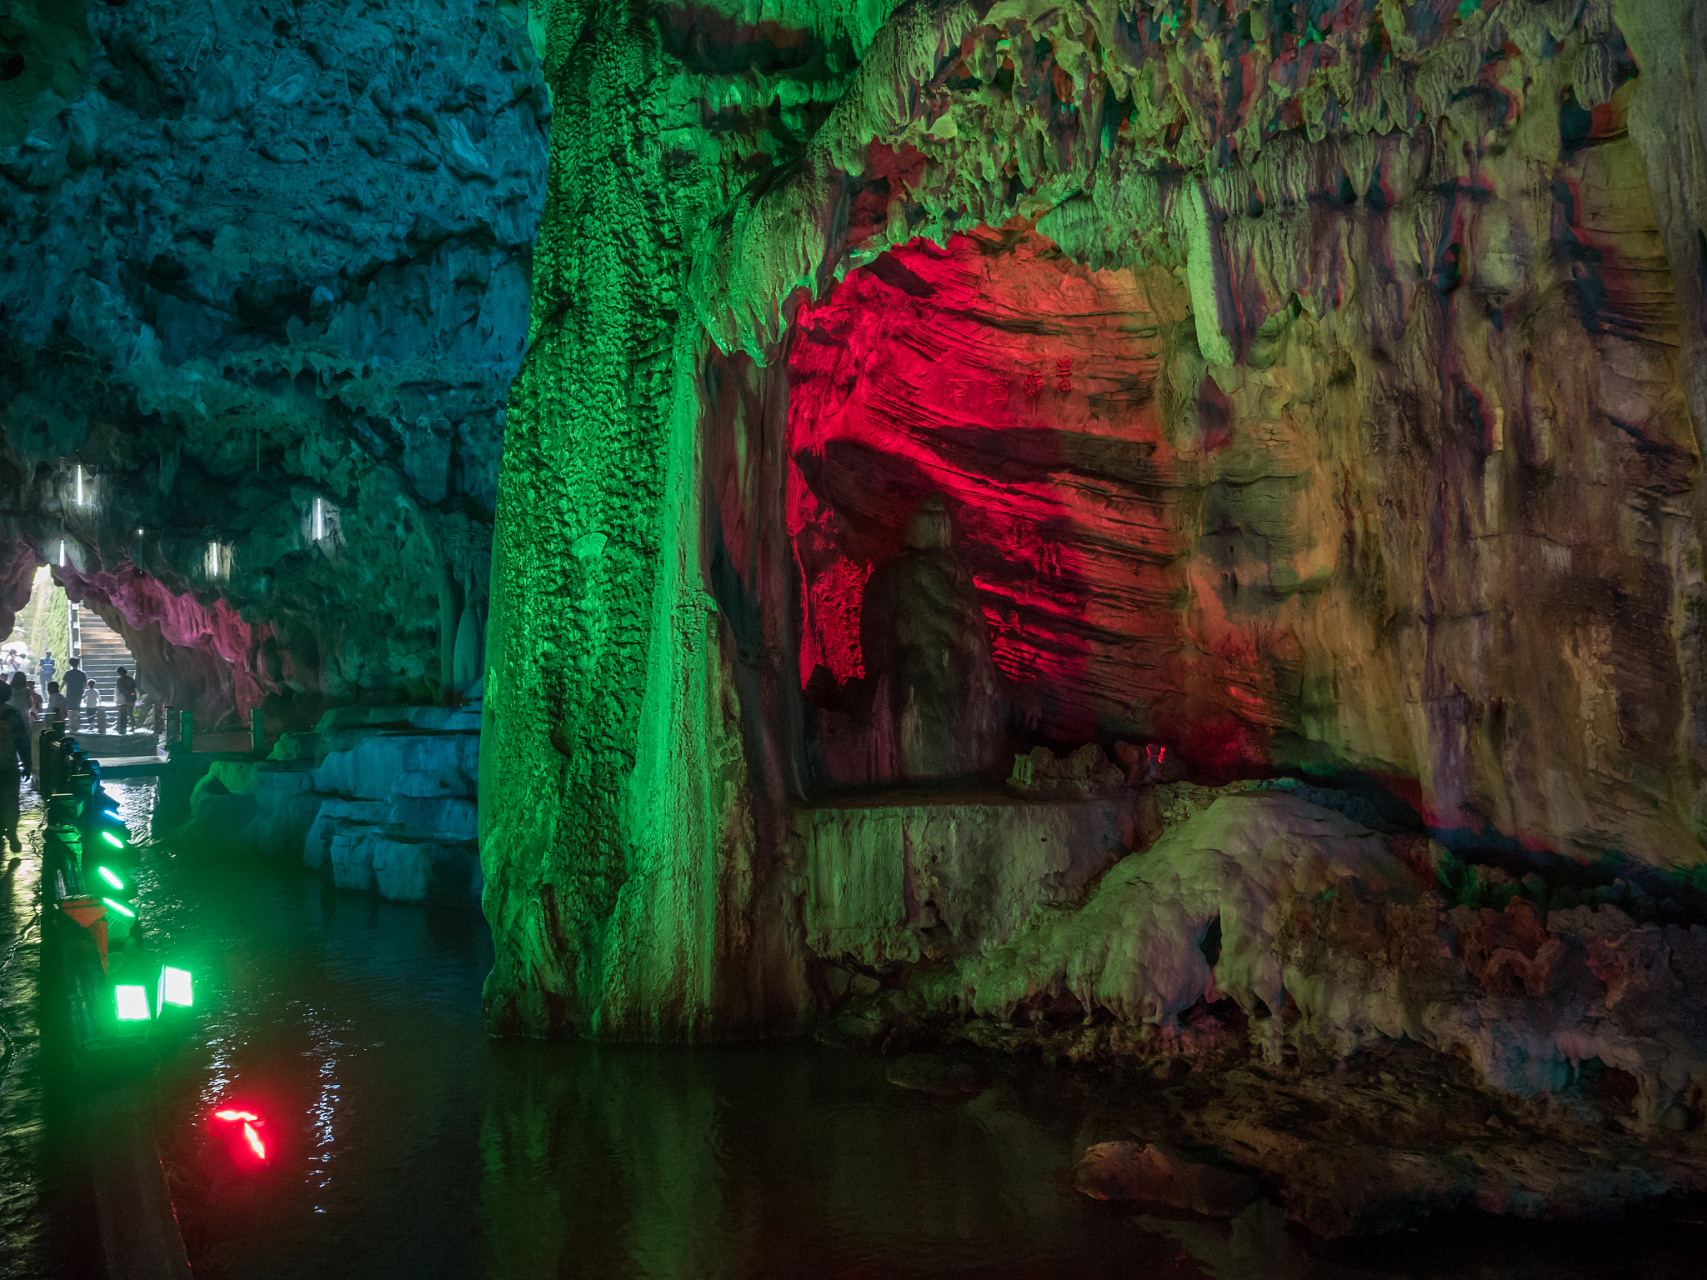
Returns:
point(174, 987)
point(132, 1003)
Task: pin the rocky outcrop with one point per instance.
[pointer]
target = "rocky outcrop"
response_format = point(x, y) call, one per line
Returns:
point(264, 279)
point(1360, 1026)
point(1160, 1175)
point(1309, 930)
point(376, 799)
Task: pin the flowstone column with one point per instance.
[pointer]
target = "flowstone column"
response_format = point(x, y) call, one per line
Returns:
point(616, 836)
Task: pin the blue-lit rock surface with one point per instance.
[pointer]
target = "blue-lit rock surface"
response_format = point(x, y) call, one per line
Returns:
point(255, 256)
point(378, 799)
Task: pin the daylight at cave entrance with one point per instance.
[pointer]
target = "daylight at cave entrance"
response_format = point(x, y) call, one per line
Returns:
point(892, 638)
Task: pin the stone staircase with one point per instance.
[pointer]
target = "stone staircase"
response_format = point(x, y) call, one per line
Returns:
point(102, 651)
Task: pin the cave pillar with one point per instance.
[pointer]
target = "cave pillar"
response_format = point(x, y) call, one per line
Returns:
point(616, 835)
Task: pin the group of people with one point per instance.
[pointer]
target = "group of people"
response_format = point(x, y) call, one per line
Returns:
point(75, 701)
point(24, 706)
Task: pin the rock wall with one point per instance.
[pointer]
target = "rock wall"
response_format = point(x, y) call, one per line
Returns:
point(376, 799)
point(264, 278)
point(1305, 387)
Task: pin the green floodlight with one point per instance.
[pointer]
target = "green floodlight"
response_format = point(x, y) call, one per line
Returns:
point(113, 840)
point(114, 905)
point(174, 987)
point(111, 879)
point(132, 1002)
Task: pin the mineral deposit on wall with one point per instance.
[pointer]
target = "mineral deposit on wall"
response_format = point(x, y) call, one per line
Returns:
point(1242, 389)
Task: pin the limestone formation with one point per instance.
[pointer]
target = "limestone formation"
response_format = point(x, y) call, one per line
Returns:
point(1313, 398)
point(1309, 390)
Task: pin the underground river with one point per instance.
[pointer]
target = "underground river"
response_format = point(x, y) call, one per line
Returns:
point(402, 1141)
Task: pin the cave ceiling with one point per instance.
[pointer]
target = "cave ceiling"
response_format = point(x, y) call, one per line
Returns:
point(256, 256)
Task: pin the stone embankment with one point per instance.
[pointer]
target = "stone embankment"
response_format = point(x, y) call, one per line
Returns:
point(378, 799)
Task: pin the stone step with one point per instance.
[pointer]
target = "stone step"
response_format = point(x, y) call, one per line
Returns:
point(101, 652)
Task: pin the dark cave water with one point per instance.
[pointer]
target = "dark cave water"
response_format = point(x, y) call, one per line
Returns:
point(401, 1141)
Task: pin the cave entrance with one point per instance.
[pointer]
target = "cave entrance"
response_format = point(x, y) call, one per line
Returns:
point(994, 406)
point(40, 630)
point(52, 632)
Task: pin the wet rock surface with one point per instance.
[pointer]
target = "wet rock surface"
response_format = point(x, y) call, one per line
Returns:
point(1162, 1175)
point(376, 799)
point(1374, 1030)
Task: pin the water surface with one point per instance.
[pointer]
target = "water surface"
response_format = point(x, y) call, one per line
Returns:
point(402, 1142)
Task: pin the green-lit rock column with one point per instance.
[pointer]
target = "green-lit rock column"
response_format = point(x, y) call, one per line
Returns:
point(616, 840)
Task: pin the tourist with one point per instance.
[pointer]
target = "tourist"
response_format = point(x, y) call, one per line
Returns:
point(73, 684)
point(93, 717)
point(14, 767)
point(35, 702)
point(124, 689)
point(21, 697)
point(46, 667)
point(55, 702)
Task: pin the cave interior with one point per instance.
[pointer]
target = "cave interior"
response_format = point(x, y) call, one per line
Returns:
point(1157, 540)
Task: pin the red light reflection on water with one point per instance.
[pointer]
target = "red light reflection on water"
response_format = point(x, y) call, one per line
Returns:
point(249, 1120)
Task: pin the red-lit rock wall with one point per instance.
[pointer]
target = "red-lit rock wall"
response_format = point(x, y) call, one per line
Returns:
point(1027, 393)
point(198, 654)
point(1311, 388)
point(1431, 521)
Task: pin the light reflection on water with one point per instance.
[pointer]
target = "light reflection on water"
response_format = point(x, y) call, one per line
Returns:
point(404, 1143)
point(23, 1203)
point(408, 1143)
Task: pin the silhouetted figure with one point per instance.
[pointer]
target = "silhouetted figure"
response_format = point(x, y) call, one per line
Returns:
point(14, 767)
point(55, 702)
point(922, 634)
point(20, 697)
point(73, 684)
point(124, 690)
